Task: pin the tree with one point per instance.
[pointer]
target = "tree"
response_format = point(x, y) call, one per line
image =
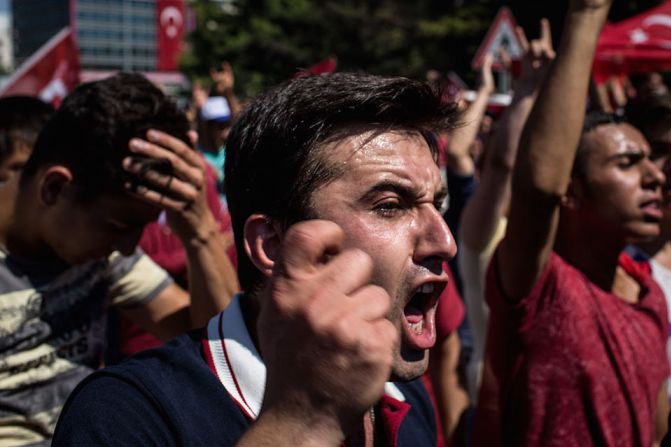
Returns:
point(267, 41)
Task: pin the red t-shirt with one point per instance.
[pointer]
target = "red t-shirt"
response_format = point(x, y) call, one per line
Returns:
point(571, 364)
point(450, 311)
point(449, 315)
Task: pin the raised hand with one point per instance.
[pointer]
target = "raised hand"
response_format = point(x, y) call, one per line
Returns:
point(538, 55)
point(322, 331)
point(223, 79)
point(487, 83)
point(198, 95)
point(179, 189)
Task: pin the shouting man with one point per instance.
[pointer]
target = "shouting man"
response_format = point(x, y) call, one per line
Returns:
point(336, 201)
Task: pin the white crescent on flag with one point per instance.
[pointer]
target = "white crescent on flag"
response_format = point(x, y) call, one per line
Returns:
point(171, 21)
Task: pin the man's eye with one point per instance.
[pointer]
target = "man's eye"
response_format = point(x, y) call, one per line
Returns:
point(441, 205)
point(631, 160)
point(388, 208)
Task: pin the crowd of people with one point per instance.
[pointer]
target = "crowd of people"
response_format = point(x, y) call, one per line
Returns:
point(286, 272)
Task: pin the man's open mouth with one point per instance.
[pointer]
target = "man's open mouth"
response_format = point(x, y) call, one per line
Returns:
point(419, 327)
point(652, 210)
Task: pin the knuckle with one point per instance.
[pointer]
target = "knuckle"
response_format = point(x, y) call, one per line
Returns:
point(191, 195)
point(344, 332)
point(379, 297)
point(360, 260)
point(300, 238)
point(388, 333)
point(280, 291)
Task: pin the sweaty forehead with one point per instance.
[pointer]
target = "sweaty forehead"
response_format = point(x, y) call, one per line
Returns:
point(610, 139)
point(376, 147)
point(366, 163)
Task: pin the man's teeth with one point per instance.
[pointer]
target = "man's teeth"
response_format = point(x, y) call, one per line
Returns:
point(418, 327)
point(427, 288)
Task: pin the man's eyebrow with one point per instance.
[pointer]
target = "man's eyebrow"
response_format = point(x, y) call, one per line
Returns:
point(403, 189)
point(628, 152)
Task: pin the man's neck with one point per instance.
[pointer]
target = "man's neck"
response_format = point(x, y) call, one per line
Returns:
point(22, 241)
point(249, 306)
point(593, 254)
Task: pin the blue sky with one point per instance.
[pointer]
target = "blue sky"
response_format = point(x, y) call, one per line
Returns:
point(4, 6)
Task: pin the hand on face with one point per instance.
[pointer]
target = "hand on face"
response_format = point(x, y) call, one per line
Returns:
point(322, 328)
point(182, 194)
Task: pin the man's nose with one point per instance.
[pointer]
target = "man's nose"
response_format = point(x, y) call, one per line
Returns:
point(434, 239)
point(654, 175)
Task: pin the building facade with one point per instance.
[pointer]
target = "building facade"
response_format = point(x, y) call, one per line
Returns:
point(6, 53)
point(117, 34)
point(111, 35)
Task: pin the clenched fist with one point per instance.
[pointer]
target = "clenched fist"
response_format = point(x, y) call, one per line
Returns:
point(322, 330)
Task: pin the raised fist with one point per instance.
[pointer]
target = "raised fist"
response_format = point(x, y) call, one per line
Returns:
point(322, 329)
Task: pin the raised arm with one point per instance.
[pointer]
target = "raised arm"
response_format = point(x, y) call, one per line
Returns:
point(461, 138)
point(491, 199)
point(224, 81)
point(547, 150)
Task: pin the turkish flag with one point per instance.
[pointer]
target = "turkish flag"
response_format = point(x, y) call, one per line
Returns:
point(328, 65)
point(639, 44)
point(50, 73)
point(170, 16)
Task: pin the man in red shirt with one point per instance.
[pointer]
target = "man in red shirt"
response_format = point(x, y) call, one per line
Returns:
point(576, 342)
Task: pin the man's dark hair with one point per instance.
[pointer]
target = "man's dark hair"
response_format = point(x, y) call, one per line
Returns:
point(90, 132)
point(274, 157)
point(593, 119)
point(21, 119)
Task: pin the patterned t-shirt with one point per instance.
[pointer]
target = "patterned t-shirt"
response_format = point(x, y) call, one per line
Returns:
point(52, 333)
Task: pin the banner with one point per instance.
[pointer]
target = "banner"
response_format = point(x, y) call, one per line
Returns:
point(170, 25)
point(51, 73)
point(639, 44)
point(328, 65)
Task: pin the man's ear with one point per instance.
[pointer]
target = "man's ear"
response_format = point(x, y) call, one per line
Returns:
point(571, 200)
point(262, 242)
point(53, 181)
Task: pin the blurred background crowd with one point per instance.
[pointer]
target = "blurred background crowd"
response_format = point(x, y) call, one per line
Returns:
point(212, 56)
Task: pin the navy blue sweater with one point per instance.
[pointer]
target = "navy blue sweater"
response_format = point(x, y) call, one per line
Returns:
point(170, 397)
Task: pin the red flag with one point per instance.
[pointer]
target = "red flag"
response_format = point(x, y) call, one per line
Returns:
point(170, 24)
point(50, 73)
point(326, 66)
point(636, 45)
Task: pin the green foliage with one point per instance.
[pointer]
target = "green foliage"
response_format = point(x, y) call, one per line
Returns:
point(267, 41)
